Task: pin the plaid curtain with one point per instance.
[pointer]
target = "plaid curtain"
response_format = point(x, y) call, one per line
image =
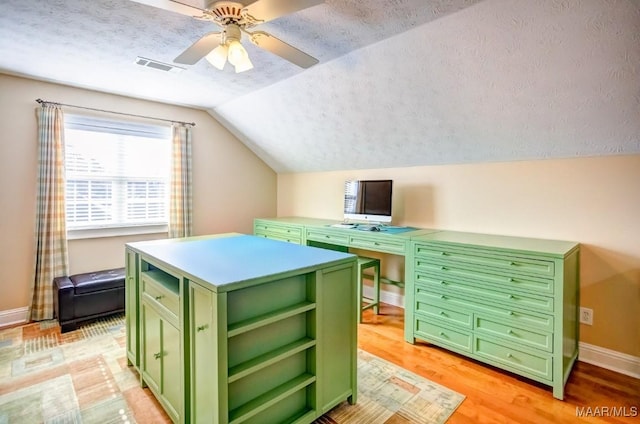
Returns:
point(51, 258)
point(180, 211)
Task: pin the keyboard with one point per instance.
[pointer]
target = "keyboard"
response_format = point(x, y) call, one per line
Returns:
point(343, 225)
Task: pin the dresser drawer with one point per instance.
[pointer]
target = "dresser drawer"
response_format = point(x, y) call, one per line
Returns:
point(445, 314)
point(484, 258)
point(497, 277)
point(459, 339)
point(162, 289)
point(496, 327)
point(379, 244)
point(328, 236)
point(509, 299)
point(530, 363)
point(435, 296)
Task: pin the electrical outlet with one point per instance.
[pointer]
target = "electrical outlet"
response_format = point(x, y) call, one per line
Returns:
point(586, 316)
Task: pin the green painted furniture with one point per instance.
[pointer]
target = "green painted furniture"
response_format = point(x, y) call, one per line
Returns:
point(365, 263)
point(242, 329)
point(511, 302)
point(507, 301)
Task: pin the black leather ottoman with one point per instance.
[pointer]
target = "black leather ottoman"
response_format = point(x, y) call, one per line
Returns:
point(87, 296)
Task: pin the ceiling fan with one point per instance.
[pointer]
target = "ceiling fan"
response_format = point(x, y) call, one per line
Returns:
point(236, 18)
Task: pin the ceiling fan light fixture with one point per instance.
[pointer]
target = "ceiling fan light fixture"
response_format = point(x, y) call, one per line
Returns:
point(237, 53)
point(244, 65)
point(218, 56)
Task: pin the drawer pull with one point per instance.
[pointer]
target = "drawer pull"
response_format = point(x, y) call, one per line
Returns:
point(159, 297)
point(511, 313)
point(442, 282)
point(376, 243)
point(511, 296)
point(202, 327)
point(157, 355)
point(510, 332)
point(443, 334)
point(443, 296)
point(326, 236)
point(511, 280)
point(444, 268)
point(443, 313)
point(509, 355)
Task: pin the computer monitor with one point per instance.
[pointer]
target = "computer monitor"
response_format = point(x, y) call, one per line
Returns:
point(368, 200)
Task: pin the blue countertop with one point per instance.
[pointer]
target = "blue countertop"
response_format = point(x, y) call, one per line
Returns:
point(224, 259)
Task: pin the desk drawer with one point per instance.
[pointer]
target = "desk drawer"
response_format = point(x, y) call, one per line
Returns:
point(162, 289)
point(446, 314)
point(500, 278)
point(443, 298)
point(465, 289)
point(328, 236)
point(459, 339)
point(378, 244)
point(497, 328)
point(484, 258)
point(292, 234)
point(529, 363)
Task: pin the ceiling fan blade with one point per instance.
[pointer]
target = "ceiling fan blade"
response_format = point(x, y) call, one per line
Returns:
point(173, 6)
point(282, 49)
point(199, 49)
point(267, 10)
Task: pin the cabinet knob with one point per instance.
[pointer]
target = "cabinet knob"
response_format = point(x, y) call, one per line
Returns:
point(202, 327)
point(443, 313)
point(443, 334)
point(511, 296)
point(510, 332)
point(509, 355)
point(443, 296)
point(511, 313)
point(157, 355)
point(159, 297)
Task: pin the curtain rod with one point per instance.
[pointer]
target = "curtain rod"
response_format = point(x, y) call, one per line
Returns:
point(117, 113)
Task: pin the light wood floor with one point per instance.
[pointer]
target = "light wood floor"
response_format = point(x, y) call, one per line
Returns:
point(496, 396)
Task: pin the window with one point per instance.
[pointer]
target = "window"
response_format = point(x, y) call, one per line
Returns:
point(117, 175)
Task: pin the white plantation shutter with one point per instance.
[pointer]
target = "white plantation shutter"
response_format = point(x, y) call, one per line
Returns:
point(117, 173)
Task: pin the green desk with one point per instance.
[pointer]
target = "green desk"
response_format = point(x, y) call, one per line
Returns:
point(234, 328)
point(511, 302)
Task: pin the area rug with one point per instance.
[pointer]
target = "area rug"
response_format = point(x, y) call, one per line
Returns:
point(82, 377)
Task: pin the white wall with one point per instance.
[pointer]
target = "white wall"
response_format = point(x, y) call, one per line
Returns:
point(594, 201)
point(231, 185)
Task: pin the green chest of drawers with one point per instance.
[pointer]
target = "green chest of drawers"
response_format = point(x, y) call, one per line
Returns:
point(507, 301)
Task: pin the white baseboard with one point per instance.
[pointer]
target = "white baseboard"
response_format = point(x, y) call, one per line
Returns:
point(609, 359)
point(395, 299)
point(14, 316)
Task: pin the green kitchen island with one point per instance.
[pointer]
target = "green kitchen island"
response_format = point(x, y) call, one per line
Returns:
point(234, 328)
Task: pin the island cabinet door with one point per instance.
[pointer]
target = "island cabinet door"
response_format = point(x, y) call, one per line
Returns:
point(151, 346)
point(205, 396)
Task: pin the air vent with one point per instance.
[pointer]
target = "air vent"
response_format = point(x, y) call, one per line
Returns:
point(161, 66)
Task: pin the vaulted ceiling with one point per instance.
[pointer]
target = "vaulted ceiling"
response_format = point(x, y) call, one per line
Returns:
point(398, 83)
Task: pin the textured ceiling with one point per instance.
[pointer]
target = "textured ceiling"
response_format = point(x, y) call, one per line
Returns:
point(399, 83)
